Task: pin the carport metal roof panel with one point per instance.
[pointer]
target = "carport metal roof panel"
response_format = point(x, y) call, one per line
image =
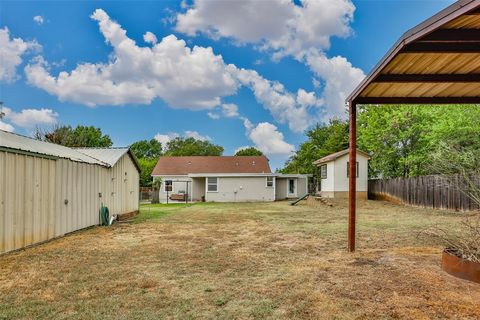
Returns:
point(438, 61)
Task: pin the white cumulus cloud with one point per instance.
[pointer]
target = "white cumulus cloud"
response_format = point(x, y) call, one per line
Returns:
point(30, 118)
point(340, 79)
point(11, 52)
point(185, 78)
point(228, 110)
point(165, 138)
point(38, 20)
point(282, 104)
point(278, 25)
point(197, 136)
point(6, 126)
point(301, 30)
point(194, 78)
point(149, 37)
point(268, 139)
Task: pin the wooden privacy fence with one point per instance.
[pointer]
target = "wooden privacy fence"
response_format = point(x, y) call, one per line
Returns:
point(433, 191)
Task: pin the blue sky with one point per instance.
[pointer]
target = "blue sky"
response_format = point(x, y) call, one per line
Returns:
point(271, 73)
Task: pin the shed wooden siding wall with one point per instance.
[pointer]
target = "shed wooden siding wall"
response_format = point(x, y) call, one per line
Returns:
point(33, 191)
point(426, 191)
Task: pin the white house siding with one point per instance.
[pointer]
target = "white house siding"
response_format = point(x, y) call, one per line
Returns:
point(248, 189)
point(282, 185)
point(178, 185)
point(34, 191)
point(302, 186)
point(198, 188)
point(281, 189)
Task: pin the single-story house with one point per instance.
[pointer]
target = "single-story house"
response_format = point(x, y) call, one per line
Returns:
point(334, 173)
point(48, 190)
point(225, 179)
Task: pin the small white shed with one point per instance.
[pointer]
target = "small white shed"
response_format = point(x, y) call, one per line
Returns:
point(334, 174)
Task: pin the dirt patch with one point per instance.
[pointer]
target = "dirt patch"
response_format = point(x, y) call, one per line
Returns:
point(241, 261)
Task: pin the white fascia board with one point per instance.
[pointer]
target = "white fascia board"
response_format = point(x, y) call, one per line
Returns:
point(206, 175)
point(280, 175)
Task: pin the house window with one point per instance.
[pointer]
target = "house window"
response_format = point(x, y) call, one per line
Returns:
point(168, 185)
point(269, 181)
point(212, 184)
point(323, 171)
point(348, 169)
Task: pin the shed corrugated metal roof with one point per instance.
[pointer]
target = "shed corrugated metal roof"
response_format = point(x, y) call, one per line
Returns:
point(109, 156)
point(17, 142)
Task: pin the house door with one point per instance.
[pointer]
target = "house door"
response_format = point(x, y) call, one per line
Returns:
point(292, 188)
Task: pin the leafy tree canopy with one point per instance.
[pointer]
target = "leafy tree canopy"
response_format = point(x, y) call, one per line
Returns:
point(321, 141)
point(150, 149)
point(250, 151)
point(79, 137)
point(181, 146)
point(147, 152)
point(146, 165)
point(404, 141)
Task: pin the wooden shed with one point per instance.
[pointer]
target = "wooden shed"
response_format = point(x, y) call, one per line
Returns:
point(48, 190)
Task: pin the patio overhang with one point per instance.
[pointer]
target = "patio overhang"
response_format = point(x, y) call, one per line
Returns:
point(436, 62)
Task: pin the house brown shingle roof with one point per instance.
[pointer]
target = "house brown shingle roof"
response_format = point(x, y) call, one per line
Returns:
point(337, 155)
point(211, 164)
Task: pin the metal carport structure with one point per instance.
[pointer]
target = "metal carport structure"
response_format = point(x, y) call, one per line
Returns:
point(436, 62)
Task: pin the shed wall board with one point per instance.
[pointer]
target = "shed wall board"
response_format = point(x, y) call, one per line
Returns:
point(248, 189)
point(33, 191)
point(328, 183)
point(341, 179)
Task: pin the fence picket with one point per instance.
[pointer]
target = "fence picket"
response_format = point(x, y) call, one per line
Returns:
point(433, 191)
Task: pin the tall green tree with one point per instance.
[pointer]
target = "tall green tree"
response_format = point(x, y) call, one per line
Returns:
point(146, 165)
point(147, 152)
point(402, 139)
point(181, 146)
point(78, 137)
point(151, 149)
point(321, 141)
point(250, 151)
point(396, 138)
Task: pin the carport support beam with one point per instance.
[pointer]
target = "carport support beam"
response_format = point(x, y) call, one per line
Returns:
point(352, 175)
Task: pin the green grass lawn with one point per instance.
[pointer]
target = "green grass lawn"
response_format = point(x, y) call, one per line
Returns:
point(241, 261)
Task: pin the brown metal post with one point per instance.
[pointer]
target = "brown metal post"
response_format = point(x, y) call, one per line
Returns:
point(352, 176)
